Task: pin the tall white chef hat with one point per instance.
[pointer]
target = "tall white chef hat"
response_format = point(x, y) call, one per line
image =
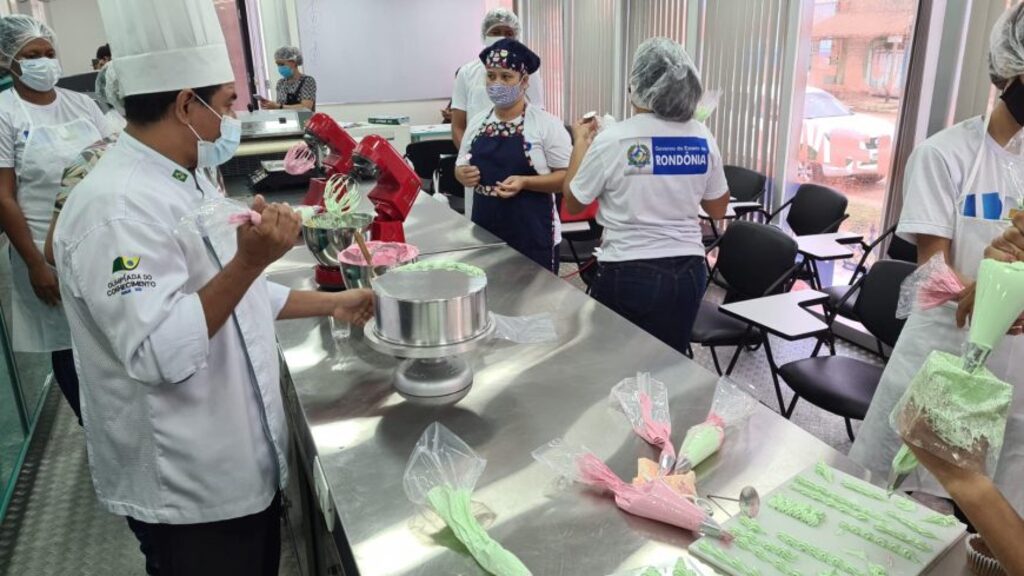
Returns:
point(165, 45)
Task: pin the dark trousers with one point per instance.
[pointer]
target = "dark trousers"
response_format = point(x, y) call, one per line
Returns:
point(661, 296)
point(247, 546)
point(63, 362)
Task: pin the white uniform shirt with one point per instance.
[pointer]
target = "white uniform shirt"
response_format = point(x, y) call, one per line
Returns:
point(937, 172)
point(174, 428)
point(15, 127)
point(548, 140)
point(650, 176)
point(470, 92)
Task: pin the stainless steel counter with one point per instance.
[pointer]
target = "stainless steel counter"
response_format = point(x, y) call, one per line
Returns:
point(361, 433)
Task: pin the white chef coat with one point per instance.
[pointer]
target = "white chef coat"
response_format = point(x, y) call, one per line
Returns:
point(470, 93)
point(650, 176)
point(547, 138)
point(179, 430)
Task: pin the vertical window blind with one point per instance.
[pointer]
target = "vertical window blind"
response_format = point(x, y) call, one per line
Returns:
point(646, 19)
point(743, 47)
point(591, 57)
point(544, 33)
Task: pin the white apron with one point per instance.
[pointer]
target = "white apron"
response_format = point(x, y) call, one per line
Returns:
point(36, 327)
point(936, 329)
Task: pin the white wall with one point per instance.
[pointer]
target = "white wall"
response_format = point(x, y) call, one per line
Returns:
point(418, 111)
point(79, 33)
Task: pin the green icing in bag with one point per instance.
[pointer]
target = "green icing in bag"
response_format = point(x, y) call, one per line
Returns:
point(454, 508)
point(998, 301)
point(701, 442)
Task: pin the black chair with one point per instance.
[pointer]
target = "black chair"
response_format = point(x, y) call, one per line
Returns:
point(841, 385)
point(814, 209)
point(745, 185)
point(426, 157)
point(448, 185)
point(900, 249)
point(754, 260)
point(837, 294)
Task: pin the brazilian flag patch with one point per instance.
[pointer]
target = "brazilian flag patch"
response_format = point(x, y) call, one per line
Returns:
point(180, 176)
point(126, 264)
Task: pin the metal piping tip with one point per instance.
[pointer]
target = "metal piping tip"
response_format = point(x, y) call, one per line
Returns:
point(683, 465)
point(712, 529)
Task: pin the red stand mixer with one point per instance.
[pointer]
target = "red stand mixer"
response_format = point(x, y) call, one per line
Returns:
point(393, 194)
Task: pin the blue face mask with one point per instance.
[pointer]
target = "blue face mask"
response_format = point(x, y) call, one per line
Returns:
point(503, 95)
point(213, 154)
point(286, 72)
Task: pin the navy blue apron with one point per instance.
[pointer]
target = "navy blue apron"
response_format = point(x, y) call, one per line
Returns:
point(525, 221)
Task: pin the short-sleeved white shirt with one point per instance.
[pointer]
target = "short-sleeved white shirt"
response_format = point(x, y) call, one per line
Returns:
point(937, 172)
point(15, 125)
point(650, 176)
point(470, 92)
point(547, 138)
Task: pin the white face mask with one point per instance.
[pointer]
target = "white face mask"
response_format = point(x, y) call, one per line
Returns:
point(213, 154)
point(40, 74)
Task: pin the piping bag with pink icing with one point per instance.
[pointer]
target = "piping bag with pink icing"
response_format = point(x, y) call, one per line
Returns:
point(730, 406)
point(654, 500)
point(644, 400)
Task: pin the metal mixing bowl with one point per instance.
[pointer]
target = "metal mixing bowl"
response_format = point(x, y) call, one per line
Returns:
point(326, 234)
point(358, 276)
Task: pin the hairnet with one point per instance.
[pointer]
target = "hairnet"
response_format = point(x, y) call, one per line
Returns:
point(1006, 47)
point(16, 31)
point(288, 53)
point(664, 80)
point(500, 17)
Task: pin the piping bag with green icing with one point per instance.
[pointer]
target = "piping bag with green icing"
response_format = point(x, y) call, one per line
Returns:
point(731, 406)
point(441, 473)
point(954, 407)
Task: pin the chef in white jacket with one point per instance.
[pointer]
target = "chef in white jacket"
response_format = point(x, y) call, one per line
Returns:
point(961, 183)
point(42, 129)
point(174, 334)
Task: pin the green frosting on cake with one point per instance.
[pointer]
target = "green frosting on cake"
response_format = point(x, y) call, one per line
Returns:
point(912, 526)
point(820, 554)
point(681, 569)
point(897, 548)
point(908, 539)
point(864, 490)
point(941, 520)
point(825, 471)
point(720, 556)
point(823, 495)
point(429, 265)
point(797, 510)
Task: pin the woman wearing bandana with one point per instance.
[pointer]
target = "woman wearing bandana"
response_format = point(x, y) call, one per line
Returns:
point(513, 158)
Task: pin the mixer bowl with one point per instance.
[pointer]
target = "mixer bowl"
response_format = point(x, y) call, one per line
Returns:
point(356, 274)
point(327, 234)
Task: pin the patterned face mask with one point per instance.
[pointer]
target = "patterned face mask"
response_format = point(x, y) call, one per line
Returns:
point(504, 96)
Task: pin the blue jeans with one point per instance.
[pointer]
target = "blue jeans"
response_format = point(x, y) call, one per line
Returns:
point(661, 296)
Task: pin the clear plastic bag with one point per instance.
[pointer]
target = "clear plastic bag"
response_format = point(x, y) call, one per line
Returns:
point(707, 105)
point(957, 416)
point(533, 329)
point(731, 406)
point(441, 458)
point(442, 473)
point(930, 286)
point(217, 217)
point(644, 400)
